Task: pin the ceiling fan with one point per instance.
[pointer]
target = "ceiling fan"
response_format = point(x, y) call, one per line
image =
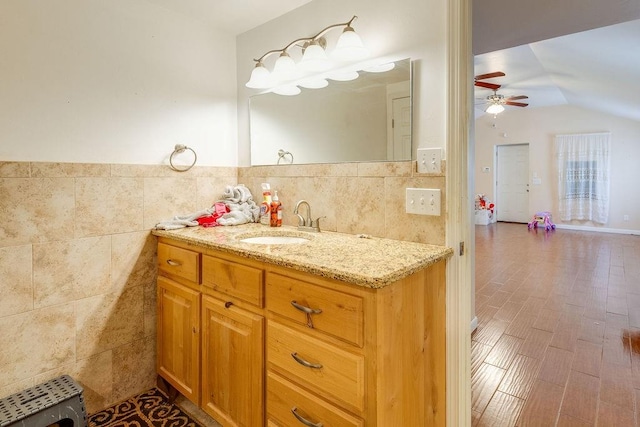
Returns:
point(477, 80)
point(496, 102)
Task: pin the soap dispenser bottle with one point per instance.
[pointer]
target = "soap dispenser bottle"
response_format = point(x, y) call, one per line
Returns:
point(276, 211)
point(265, 206)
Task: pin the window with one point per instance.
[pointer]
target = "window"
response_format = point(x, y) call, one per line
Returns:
point(583, 176)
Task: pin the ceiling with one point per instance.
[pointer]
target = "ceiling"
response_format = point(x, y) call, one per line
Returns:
point(597, 69)
point(234, 16)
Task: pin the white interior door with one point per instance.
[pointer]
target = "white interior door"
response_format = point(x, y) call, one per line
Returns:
point(401, 143)
point(512, 183)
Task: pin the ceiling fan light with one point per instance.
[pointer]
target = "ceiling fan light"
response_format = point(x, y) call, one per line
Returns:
point(494, 109)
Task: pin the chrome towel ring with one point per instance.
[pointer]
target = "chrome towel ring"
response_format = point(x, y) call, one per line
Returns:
point(282, 154)
point(181, 149)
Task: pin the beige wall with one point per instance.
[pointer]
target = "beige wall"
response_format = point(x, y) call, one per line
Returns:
point(113, 82)
point(537, 127)
point(78, 270)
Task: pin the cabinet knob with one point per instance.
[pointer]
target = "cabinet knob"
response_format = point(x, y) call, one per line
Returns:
point(194, 330)
point(228, 304)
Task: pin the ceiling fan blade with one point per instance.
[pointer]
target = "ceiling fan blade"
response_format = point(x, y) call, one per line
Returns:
point(516, 104)
point(513, 98)
point(491, 86)
point(490, 75)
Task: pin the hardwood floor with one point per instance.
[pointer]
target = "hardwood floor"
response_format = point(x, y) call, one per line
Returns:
point(558, 340)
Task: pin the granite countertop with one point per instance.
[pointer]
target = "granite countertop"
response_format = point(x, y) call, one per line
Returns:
point(366, 261)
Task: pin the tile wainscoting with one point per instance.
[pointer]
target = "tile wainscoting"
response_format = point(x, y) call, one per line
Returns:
point(78, 267)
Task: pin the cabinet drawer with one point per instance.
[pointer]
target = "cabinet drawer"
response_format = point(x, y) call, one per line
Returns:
point(341, 315)
point(231, 278)
point(336, 374)
point(283, 397)
point(179, 262)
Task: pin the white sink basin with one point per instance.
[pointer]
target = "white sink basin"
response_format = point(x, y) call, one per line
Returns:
point(275, 240)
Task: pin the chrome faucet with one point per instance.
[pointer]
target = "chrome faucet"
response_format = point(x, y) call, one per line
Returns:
point(306, 224)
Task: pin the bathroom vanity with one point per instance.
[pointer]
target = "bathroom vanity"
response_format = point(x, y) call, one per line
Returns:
point(324, 329)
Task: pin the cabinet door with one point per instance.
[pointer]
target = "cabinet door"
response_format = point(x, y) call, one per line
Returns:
point(178, 337)
point(232, 363)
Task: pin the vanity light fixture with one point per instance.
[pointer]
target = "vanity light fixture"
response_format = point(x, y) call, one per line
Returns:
point(349, 47)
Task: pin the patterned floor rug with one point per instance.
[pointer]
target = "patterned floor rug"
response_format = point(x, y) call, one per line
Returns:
point(149, 409)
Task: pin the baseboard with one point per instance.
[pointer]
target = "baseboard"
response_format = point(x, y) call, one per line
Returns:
point(474, 323)
point(598, 229)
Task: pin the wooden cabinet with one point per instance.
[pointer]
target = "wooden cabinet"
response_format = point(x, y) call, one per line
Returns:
point(178, 343)
point(232, 363)
point(210, 307)
point(281, 347)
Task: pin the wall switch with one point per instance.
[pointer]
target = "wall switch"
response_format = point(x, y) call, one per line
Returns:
point(423, 201)
point(626, 218)
point(486, 169)
point(429, 160)
point(536, 181)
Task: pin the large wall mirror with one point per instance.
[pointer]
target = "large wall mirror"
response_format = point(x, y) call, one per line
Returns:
point(366, 119)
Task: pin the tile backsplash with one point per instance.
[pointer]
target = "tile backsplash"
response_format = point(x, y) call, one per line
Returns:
point(78, 264)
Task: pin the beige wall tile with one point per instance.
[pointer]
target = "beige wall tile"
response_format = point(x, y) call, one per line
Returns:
point(71, 170)
point(15, 280)
point(71, 270)
point(133, 260)
point(40, 340)
point(35, 210)
point(94, 374)
point(108, 205)
point(360, 207)
point(134, 368)
point(385, 169)
point(14, 170)
point(414, 228)
point(165, 198)
point(211, 189)
point(108, 321)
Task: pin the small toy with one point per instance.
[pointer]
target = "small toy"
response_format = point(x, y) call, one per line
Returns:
point(542, 219)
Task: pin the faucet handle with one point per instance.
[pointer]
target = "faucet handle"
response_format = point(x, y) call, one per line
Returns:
point(316, 223)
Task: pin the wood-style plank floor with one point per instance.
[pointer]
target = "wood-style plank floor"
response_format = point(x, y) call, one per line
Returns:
point(558, 341)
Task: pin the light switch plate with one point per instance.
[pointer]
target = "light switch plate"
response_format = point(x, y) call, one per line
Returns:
point(429, 160)
point(423, 201)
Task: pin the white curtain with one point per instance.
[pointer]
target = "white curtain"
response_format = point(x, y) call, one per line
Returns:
point(583, 178)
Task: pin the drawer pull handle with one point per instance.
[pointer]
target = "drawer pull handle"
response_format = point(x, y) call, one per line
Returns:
point(173, 263)
point(306, 363)
point(306, 309)
point(304, 421)
point(228, 304)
